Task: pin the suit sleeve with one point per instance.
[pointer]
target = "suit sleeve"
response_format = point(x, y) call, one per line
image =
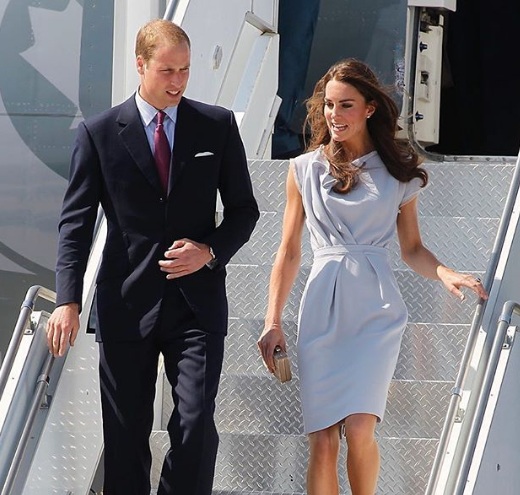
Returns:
point(240, 209)
point(78, 218)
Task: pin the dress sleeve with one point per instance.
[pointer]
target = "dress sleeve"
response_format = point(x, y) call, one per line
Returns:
point(296, 165)
point(412, 189)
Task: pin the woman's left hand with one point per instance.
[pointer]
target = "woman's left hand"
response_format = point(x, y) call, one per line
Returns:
point(454, 281)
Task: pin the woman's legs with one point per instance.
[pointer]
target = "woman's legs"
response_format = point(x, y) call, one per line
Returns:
point(362, 453)
point(362, 457)
point(322, 472)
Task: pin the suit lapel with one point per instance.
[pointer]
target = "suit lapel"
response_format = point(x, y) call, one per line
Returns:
point(185, 133)
point(134, 138)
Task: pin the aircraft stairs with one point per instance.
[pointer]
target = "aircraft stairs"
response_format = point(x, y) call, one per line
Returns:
point(263, 451)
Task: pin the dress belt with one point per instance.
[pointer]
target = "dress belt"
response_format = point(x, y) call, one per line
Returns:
point(344, 249)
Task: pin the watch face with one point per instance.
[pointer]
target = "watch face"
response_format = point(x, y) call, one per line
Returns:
point(213, 262)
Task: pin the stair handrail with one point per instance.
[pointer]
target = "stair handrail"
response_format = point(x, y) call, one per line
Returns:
point(170, 10)
point(42, 384)
point(21, 325)
point(491, 364)
point(465, 364)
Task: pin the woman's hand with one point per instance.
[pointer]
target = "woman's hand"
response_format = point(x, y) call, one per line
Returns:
point(271, 337)
point(283, 274)
point(454, 281)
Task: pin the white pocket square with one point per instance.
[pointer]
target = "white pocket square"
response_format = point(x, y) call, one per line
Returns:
point(204, 153)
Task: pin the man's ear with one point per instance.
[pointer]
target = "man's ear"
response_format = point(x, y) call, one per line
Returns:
point(139, 63)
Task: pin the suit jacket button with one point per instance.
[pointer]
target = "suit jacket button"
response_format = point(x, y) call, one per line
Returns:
point(161, 200)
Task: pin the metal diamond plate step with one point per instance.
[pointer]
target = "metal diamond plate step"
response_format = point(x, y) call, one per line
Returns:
point(452, 247)
point(428, 352)
point(456, 188)
point(427, 300)
point(262, 406)
point(466, 189)
point(431, 352)
point(268, 464)
point(262, 450)
point(219, 492)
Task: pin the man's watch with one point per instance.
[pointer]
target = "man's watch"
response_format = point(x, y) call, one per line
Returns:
point(212, 263)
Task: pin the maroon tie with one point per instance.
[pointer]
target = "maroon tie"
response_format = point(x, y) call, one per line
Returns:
point(162, 152)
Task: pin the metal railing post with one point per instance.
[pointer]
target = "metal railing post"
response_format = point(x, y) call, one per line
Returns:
point(473, 334)
point(23, 319)
point(504, 321)
point(41, 387)
point(170, 10)
point(27, 308)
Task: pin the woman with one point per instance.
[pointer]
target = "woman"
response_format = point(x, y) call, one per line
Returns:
point(354, 188)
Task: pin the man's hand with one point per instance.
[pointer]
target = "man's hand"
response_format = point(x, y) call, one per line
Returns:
point(62, 328)
point(184, 257)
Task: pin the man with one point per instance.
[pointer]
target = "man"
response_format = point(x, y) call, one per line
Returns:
point(161, 283)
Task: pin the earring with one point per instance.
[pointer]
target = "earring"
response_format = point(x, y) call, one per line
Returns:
point(369, 115)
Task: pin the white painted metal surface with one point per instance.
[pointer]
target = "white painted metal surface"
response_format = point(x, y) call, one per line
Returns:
point(428, 85)
point(235, 63)
point(14, 379)
point(495, 468)
point(424, 109)
point(438, 4)
point(504, 288)
point(256, 102)
point(71, 443)
point(19, 393)
point(128, 18)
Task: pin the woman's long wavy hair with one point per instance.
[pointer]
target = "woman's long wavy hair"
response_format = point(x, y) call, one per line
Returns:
point(399, 157)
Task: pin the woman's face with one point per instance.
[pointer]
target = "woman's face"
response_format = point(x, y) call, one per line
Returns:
point(346, 112)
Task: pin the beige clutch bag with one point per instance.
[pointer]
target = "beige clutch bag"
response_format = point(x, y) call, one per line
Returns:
point(282, 365)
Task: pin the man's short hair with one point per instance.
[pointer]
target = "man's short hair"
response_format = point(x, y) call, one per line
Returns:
point(158, 32)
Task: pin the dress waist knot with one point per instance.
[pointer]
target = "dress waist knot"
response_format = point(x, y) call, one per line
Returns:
point(341, 250)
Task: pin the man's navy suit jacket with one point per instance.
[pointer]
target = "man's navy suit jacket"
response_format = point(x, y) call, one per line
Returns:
point(112, 165)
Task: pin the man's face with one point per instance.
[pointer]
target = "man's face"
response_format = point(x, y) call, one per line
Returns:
point(163, 78)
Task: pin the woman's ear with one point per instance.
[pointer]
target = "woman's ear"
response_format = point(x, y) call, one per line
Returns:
point(371, 108)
